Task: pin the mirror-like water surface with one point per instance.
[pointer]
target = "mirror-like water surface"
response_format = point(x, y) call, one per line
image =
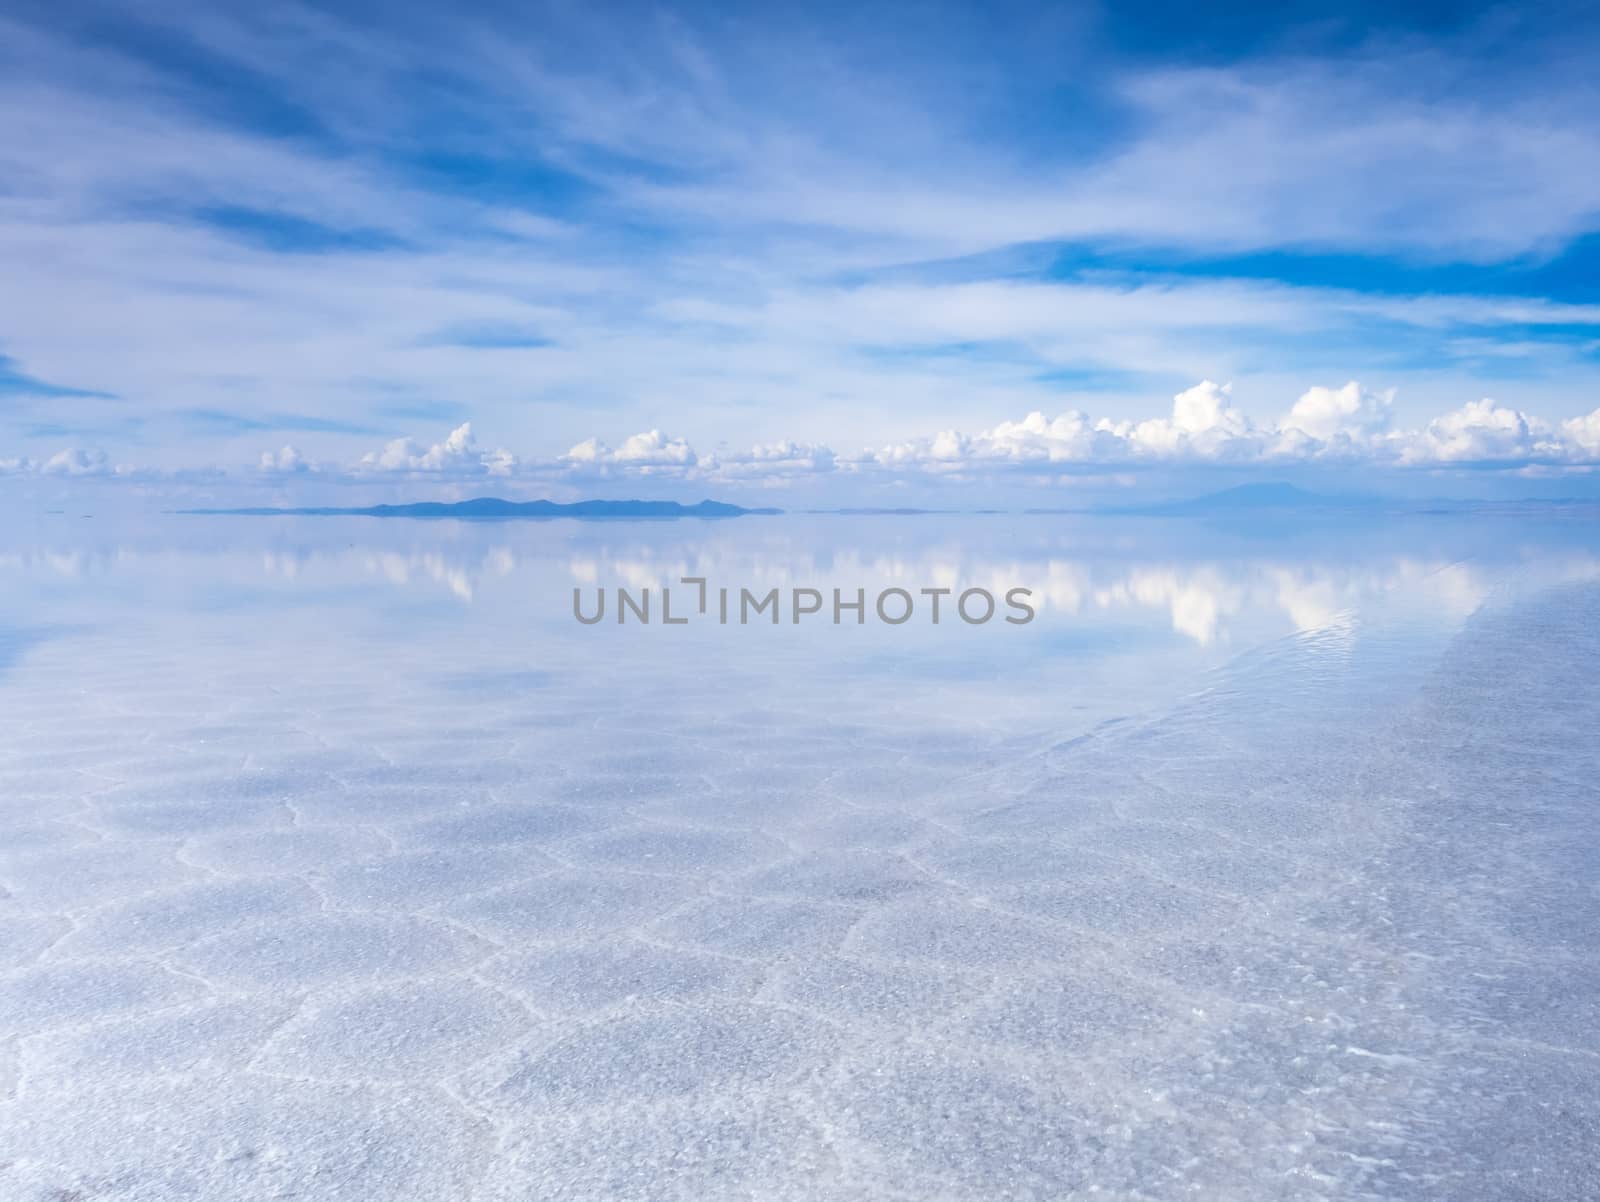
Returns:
point(338, 859)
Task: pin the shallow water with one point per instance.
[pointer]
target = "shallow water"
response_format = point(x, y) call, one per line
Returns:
point(337, 859)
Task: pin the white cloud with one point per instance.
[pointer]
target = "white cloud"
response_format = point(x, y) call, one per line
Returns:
point(1584, 432)
point(1349, 425)
point(1352, 413)
point(286, 460)
point(1204, 424)
point(1069, 436)
point(590, 450)
point(772, 462)
point(864, 181)
point(74, 461)
point(655, 449)
point(1482, 431)
point(458, 455)
point(649, 452)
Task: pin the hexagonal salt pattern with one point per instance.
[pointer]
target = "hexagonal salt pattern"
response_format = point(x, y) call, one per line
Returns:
point(593, 925)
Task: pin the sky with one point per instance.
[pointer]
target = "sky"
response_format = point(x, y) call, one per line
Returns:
point(813, 254)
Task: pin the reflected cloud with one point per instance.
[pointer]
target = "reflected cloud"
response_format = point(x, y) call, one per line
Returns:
point(1093, 576)
point(1197, 598)
point(403, 569)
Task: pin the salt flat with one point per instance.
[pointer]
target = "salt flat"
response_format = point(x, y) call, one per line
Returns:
point(340, 862)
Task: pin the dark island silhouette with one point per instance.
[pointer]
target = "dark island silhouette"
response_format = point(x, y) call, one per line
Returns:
point(496, 509)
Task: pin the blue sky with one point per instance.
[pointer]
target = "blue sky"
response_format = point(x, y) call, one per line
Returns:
point(836, 253)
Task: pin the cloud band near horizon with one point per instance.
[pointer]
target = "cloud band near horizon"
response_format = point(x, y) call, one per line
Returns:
point(1350, 426)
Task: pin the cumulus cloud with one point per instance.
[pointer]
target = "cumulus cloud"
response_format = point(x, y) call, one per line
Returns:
point(1483, 431)
point(1346, 423)
point(775, 461)
point(1034, 439)
point(1349, 424)
point(1584, 432)
point(1204, 423)
point(74, 461)
point(1351, 413)
point(649, 452)
point(458, 454)
point(77, 462)
point(285, 461)
point(1070, 436)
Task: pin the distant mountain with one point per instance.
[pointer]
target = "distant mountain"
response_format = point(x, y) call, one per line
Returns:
point(1251, 498)
point(496, 509)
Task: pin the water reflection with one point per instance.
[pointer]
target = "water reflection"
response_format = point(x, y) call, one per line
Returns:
point(1214, 589)
point(1141, 869)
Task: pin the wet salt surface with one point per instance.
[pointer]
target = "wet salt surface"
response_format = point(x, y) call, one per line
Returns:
point(337, 861)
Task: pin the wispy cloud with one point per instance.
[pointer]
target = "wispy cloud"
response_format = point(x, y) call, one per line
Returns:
point(298, 226)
